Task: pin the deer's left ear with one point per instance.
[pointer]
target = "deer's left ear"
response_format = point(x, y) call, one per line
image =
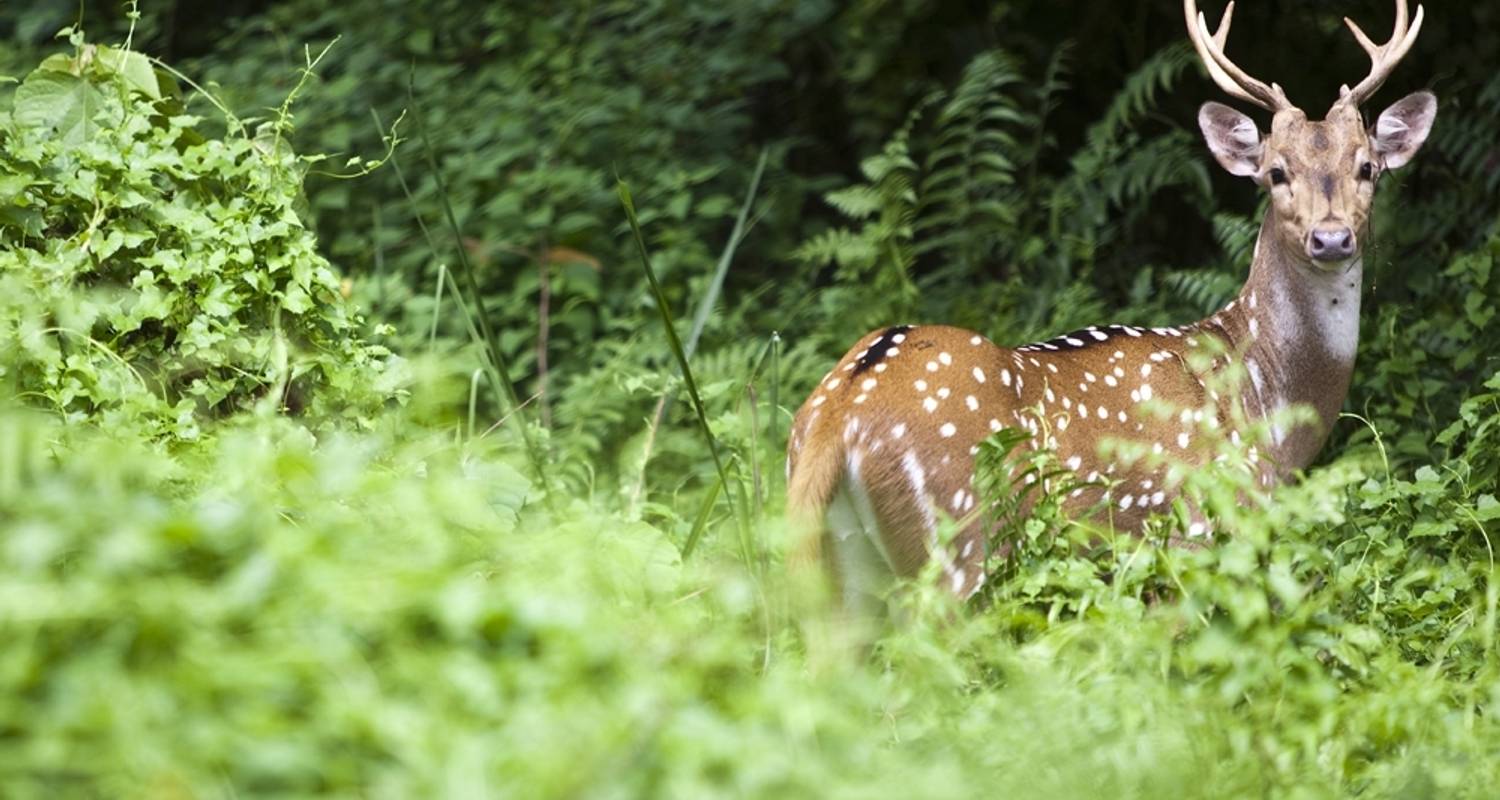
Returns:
point(1402, 128)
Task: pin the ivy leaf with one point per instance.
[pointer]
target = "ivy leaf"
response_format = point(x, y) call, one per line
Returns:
point(135, 68)
point(1488, 508)
point(1432, 527)
point(296, 300)
point(61, 103)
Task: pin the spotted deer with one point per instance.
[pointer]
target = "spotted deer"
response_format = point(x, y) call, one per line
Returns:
point(886, 443)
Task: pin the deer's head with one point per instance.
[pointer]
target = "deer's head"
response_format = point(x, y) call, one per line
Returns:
point(1321, 175)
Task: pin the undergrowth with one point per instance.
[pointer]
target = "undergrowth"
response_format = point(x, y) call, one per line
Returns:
point(246, 550)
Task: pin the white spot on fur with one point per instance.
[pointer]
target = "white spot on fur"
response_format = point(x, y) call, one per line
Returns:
point(948, 430)
point(917, 477)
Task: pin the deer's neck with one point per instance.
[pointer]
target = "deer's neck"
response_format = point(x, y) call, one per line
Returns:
point(1298, 328)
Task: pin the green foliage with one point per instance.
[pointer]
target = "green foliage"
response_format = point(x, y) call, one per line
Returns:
point(1421, 360)
point(873, 261)
point(533, 114)
point(1347, 623)
point(966, 192)
point(291, 604)
point(153, 274)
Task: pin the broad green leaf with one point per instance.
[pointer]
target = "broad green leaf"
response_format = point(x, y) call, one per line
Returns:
point(133, 67)
point(61, 103)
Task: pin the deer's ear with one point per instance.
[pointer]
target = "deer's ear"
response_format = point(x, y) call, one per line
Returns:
point(1402, 128)
point(1232, 137)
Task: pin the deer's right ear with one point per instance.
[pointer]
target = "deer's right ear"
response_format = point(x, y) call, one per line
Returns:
point(1233, 138)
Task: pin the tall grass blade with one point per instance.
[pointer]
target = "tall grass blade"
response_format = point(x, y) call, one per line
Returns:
point(664, 309)
point(716, 284)
point(700, 522)
point(700, 317)
point(498, 369)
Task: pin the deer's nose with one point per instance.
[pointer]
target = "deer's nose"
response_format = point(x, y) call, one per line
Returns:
point(1332, 243)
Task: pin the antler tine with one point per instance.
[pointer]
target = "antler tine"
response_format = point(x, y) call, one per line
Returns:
point(1233, 80)
point(1383, 58)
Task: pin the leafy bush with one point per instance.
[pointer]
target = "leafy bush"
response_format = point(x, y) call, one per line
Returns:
point(291, 604)
point(152, 274)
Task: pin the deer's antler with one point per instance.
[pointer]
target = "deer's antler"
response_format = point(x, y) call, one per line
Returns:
point(1230, 77)
point(1383, 58)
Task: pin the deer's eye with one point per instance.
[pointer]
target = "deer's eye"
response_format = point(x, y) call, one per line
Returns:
point(1367, 171)
point(1278, 176)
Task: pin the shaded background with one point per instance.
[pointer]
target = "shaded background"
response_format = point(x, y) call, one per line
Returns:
point(1044, 171)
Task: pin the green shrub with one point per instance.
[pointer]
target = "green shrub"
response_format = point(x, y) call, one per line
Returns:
point(149, 273)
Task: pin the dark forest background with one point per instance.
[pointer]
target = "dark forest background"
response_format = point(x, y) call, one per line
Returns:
point(1056, 176)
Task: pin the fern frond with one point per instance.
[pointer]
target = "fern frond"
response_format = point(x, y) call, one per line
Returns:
point(1236, 235)
point(969, 202)
point(1203, 290)
point(1137, 97)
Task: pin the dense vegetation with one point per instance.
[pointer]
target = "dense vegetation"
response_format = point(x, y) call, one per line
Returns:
point(343, 449)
